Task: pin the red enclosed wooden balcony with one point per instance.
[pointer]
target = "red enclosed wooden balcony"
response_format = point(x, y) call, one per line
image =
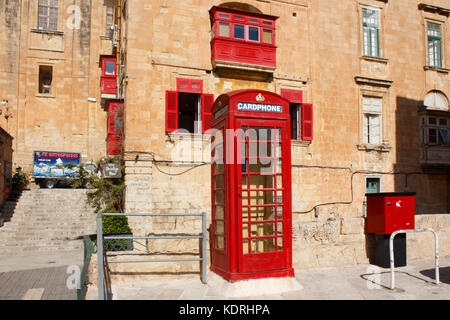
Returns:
point(108, 81)
point(243, 40)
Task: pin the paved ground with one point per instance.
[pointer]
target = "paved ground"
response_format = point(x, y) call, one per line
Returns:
point(38, 276)
point(44, 276)
point(362, 282)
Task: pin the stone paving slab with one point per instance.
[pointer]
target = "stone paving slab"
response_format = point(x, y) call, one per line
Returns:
point(38, 270)
point(361, 282)
point(16, 285)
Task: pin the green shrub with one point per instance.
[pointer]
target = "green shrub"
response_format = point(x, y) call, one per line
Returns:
point(115, 224)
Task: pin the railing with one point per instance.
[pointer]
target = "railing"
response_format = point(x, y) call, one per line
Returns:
point(104, 288)
point(391, 251)
point(89, 249)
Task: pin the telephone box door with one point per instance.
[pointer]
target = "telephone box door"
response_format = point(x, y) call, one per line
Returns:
point(263, 201)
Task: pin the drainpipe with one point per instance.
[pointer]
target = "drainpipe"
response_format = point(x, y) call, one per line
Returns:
point(118, 23)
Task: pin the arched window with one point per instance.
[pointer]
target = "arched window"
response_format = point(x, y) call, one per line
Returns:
point(436, 100)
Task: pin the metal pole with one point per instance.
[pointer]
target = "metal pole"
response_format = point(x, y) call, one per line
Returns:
point(204, 247)
point(391, 252)
point(101, 276)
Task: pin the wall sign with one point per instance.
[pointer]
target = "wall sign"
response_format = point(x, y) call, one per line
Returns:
point(259, 107)
point(111, 170)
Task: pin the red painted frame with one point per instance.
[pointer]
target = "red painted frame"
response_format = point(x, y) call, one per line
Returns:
point(231, 263)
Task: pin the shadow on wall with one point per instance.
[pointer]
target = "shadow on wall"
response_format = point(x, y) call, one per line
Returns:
point(430, 179)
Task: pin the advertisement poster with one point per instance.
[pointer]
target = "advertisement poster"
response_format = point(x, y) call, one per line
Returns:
point(56, 164)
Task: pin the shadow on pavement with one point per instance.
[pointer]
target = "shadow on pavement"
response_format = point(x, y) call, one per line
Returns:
point(444, 274)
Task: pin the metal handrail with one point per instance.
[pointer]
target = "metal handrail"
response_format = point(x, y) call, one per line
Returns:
point(391, 251)
point(102, 257)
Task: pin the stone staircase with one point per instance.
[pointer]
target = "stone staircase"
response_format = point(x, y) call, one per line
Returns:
point(38, 220)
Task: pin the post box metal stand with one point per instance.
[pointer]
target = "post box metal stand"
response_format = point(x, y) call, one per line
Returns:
point(388, 212)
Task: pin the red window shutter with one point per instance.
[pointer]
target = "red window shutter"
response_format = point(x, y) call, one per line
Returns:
point(294, 96)
point(207, 104)
point(189, 85)
point(171, 111)
point(286, 94)
point(307, 121)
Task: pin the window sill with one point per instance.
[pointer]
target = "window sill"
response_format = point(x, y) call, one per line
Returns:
point(375, 59)
point(301, 143)
point(438, 69)
point(374, 147)
point(58, 33)
point(176, 136)
point(42, 95)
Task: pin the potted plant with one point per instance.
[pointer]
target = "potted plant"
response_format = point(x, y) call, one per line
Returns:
point(20, 179)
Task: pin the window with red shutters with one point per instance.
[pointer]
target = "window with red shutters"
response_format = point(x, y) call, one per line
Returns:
point(295, 98)
point(307, 121)
point(188, 110)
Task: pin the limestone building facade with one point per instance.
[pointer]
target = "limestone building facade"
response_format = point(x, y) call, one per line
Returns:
point(50, 75)
point(375, 71)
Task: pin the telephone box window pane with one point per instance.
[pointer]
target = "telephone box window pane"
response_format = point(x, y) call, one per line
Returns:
point(239, 18)
point(220, 243)
point(253, 33)
point(253, 20)
point(432, 121)
point(442, 122)
point(269, 23)
point(224, 29)
point(262, 229)
point(280, 228)
point(267, 36)
point(110, 68)
point(279, 213)
point(244, 182)
point(245, 247)
point(279, 182)
point(244, 198)
point(263, 245)
point(262, 213)
point(279, 244)
point(219, 182)
point(244, 213)
point(279, 197)
point(245, 230)
point(261, 182)
point(278, 166)
point(219, 227)
point(219, 168)
point(263, 166)
point(219, 197)
point(225, 16)
point(239, 31)
point(219, 212)
point(261, 197)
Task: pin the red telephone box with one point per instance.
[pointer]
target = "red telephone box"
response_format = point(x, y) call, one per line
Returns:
point(251, 186)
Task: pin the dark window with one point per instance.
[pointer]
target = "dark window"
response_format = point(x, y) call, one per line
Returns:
point(239, 31)
point(45, 79)
point(189, 112)
point(295, 111)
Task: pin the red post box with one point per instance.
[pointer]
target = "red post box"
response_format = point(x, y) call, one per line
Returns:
point(389, 212)
point(251, 186)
